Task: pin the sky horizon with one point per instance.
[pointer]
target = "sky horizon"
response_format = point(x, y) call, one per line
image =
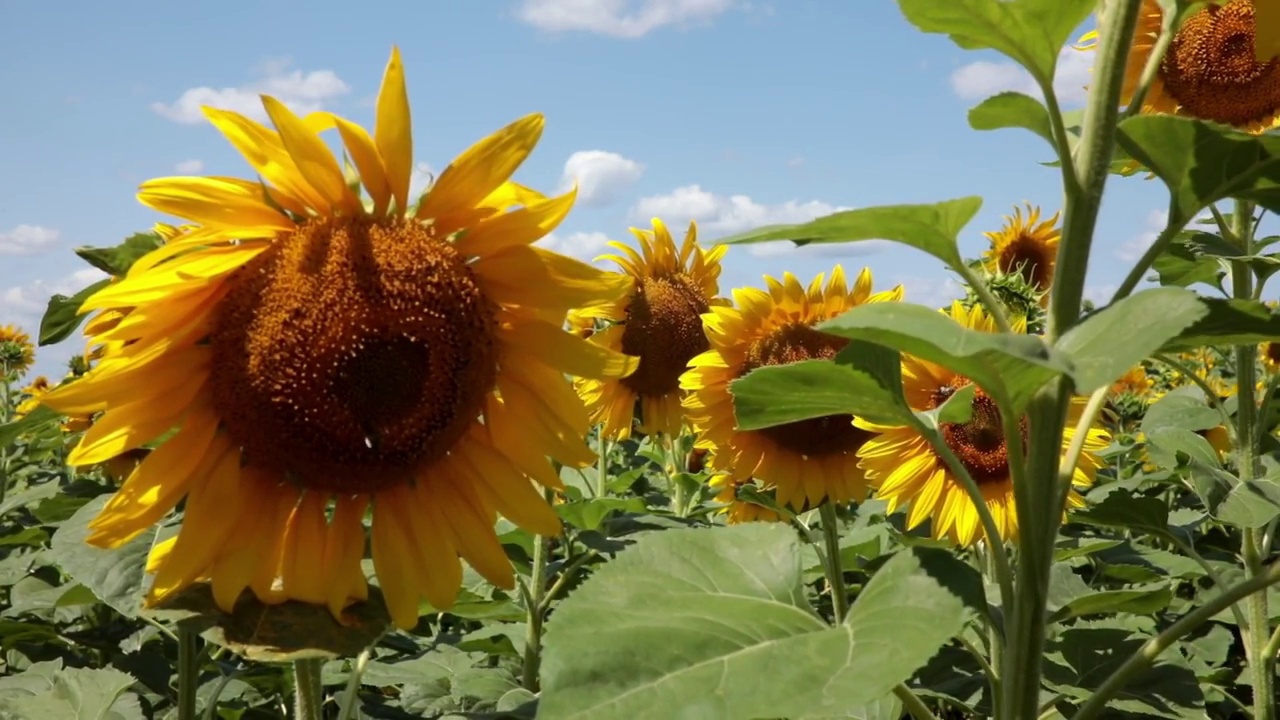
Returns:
point(732, 113)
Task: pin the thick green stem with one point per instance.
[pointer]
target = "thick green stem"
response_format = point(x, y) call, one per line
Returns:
point(1146, 656)
point(834, 565)
point(308, 696)
point(1262, 666)
point(536, 612)
point(351, 697)
point(602, 468)
point(1093, 164)
point(188, 673)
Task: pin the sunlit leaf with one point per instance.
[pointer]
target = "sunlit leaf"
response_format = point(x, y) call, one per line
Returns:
point(61, 317)
point(1012, 110)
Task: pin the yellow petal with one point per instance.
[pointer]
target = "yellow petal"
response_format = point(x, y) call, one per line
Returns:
point(569, 354)
point(214, 201)
point(1266, 18)
point(519, 227)
point(315, 162)
point(393, 130)
point(261, 147)
point(483, 168)
point(373, 174)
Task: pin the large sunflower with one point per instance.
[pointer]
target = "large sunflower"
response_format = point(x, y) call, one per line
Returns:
point(1026, 246)
point(660, 322)
point(16, 351)
point(807, 461)
point(1211, 70)
point(906, 470)
point(320, 354)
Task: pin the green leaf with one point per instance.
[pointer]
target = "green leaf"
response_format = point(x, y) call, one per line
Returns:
point(780, 394)
point(1145, 600)
point(115, 576)
point(117, 260)
point(1228, 322)
point(686, 610)
point(276, 633)
point(931, 228)
point(1250, 504)
point(1009, 366)
point(1180, 411)
point(1201, 162)
point(62, 316)
point(48, 690)
point(1122, 509)
point(1030, 33)
point(1012, 110)
point(11, 431)
point(1120, 336)
point(590, 514)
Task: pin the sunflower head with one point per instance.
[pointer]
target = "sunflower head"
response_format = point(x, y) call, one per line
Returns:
point(907, 471)
point(660, 322)
point(16, 351)
point(1025, 246)
point(317, 343)
point(1212, 69)
point(808, 461)
point(1269, 352)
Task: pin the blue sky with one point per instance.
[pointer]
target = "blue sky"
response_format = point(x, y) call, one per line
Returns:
point(729, 112)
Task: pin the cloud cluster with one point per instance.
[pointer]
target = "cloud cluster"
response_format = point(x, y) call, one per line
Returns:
point(982, 79)
point(27, 240)
point(619, 18)
point(302, 92)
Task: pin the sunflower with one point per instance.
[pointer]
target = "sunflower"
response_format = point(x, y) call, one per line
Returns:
point(906, 471)
point(320, 355)
point(660, 322)
point(579, 324)
point(1211, 70)
point(16, 351)
point(1026, 246)
point(1135, 382)
point(807, 461)
point(1269, 352)
point(31, 396)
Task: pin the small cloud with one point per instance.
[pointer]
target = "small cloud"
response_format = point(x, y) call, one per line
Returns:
point(721, 215)
point(27, 240)
point(189, 167)
point(302, 92)
point(982, 79)
point(1133, 248)
point(795, 162)
point(601, 176)
point(581, 245)
point(619, 18)
point(934, 292)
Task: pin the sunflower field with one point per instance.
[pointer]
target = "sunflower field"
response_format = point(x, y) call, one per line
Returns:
point(336, 450)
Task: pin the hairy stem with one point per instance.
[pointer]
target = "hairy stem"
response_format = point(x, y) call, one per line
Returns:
point(188, 673)
point(834, 566)
point(308, 697)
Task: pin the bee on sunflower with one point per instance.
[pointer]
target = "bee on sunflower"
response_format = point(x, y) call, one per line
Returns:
point(322, 355)
point(906, 471)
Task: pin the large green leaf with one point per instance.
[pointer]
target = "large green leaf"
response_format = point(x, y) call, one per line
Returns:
point(1010, 110)
point(49, 690)
point(1144, 600)
point(62, 316)
point(1202, 162)
point(1031, 32)
point(863, 380)
point(1120, 508)
point(931, 228)
point(1181, 410)
point(1110, 342)
point(1007, 365)
point(115, 576)
point(684, 611)
point(1251, 504)
point(1228, 322)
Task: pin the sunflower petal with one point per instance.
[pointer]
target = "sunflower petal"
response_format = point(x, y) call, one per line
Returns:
point(393, 131)
point(482, 169)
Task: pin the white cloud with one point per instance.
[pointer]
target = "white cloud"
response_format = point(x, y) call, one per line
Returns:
point(189, 167)
point(796, 161)
point(27, 240)
point(982, 79)
point(619, 18)
point(25, 304)
point(934, 292)
point(1133, 248)
point(720, 215)
point(601, 176)
point(301, 92)
point(581, 245)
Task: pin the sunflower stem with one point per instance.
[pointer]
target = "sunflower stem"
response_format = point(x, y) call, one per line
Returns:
point(913, 704)
point(834, 565)
point(536, 611)
point(308, 696)
point(994, 307)
point(188, 673)
point(1146, 655)
point(1261, 665)
point(602, 466)
point(1084, 187)
point(352, 694)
